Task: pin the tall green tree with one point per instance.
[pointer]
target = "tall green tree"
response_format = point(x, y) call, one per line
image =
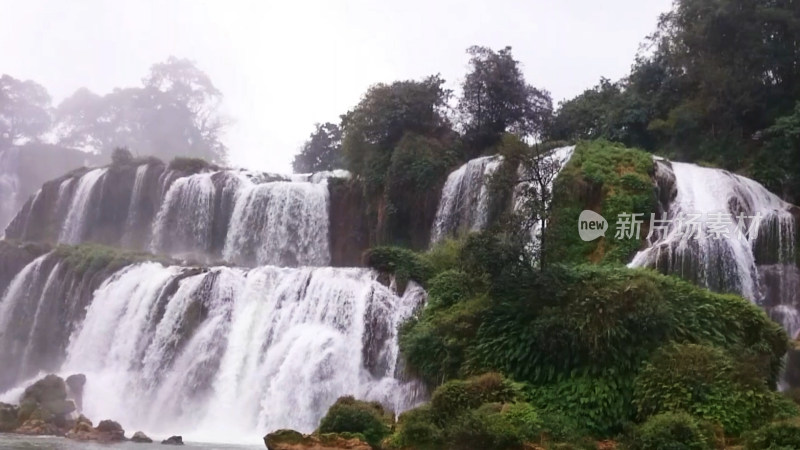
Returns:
point(322, 150)
point(496, 99)
point(384, 115)
point(24, 111)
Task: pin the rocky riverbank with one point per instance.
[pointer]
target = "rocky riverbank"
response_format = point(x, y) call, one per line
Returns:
point(52, 407)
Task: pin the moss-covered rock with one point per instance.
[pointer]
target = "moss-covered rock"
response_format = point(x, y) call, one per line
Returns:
point(608, 179)
point(349, 415)
point(292, 440)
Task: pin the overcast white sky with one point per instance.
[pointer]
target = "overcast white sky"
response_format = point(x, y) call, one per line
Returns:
point(282, 66)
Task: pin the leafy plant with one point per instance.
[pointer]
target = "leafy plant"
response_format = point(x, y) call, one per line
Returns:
point(349, 415)
point(671, 431)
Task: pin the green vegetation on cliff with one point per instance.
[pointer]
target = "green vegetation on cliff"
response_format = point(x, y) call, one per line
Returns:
point(92, 258)
point(595, 346)
point(609, 179)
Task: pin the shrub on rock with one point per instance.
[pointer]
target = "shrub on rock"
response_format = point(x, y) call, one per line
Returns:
point(672, 430)
point(775, 436)
point(706, 382)
point(349, 415)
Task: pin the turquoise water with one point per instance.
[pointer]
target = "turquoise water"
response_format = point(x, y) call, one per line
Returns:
point(17, 442)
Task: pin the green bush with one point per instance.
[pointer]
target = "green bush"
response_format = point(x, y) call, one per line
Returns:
point(599, 405)
point(448, 288)
point(706, 382)
point(121, 156)
point(349, 415)
point(416, 429)
point(404, 264)
point(482, 430)
point(190, 165)
point(445, 255)
point(458, 396)
point(91, 258)
point(775, 436)
point(525, 418)
point(607, 178)
point(671, 431)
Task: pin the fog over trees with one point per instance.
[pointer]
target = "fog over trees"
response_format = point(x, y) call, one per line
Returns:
point(174, 112)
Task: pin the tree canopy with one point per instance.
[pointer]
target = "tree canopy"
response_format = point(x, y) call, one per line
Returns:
point(496, 98)
point(174, 113)
point(24, 111)
point(322, 150)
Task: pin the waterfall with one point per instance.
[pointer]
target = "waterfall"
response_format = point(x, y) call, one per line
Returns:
point(183, 224)
point(281, 223)
point(81, 208)
point(758, 263)
point(135, 205)
point(555, 161)
point(466, 198)
point(9, 185)
point(223, 353)
point(465, 202)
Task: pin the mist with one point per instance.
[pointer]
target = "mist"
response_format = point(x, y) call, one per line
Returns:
point(281, 67)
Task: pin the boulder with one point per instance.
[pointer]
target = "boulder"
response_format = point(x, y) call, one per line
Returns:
point(141, 438)
point(75, 384)
point(292, 440)
point(8, 417)
point(106, 431)
point(173, 440)
point(49, 388)
point(38, 427)
point(44, 408)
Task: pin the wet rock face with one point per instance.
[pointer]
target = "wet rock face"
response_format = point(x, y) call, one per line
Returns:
point(75, 384)
point(107, 431)
point(44, 408)
point(349, 225)
point(141, 438)
point(8, 417)
point(173, 440)
point(292, 440)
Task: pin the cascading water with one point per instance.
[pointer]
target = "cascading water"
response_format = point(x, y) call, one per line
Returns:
point(81, 209)
point(464, 203)
point(466, 198)
point(221, 353)
point(9, 185)
point(551, 167)
point(756, 260)
point(281, 223)
point(184, 222)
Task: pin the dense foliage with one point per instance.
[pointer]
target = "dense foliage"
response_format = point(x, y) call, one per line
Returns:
point(718, 82)
point(609, 179)
point(670, 431)
point(579, 338)
point(497, 99)
point(322, 151)
point(349, 415)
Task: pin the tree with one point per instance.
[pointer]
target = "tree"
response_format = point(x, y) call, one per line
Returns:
point(496, 98)
point(609, 110)
point(174, 114)
point(322, 150)
point(24, 111)
point(383, 116)
point(539, 167)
